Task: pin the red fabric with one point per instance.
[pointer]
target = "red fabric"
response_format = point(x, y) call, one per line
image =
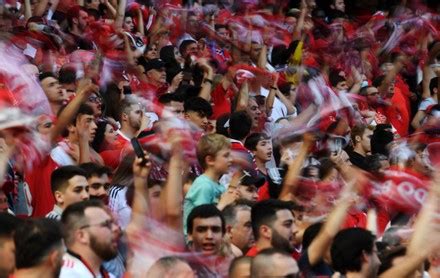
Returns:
point(222, 100)
point(263, 192)
point(252, 252)
point(398, 113)
point(111, 158)
point(38, 180)
point(355, 220)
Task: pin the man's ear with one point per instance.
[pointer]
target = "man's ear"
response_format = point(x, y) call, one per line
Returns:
point(357, 139)
point(75, 20)
point(59, 197)
point(71, 128)
point(55, 258)
point(229, 229)
point(265, 231)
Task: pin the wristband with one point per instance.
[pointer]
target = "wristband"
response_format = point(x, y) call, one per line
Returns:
point(274, 88)
point(207, 80)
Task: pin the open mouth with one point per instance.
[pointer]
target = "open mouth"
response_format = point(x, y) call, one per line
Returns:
point(208, 247)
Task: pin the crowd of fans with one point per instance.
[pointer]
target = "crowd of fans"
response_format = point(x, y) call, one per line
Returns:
point(219, 138)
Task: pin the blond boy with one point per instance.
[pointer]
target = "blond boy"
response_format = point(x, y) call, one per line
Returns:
point(214, 155)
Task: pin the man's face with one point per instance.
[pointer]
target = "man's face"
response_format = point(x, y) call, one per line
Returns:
point(191, 50)
point(372, 95)
point(103, 233)
point(248, 192)
point(98, 187)
point(53, 91)
point(223, 33)
point(198, 118)
point(157, 75)
point(342, 86)
point(177, 108)
point(254, 112)
point(91, 125)
point(283, 231)
point(366, 140)
point(7, 255)
point(241, 232)
point(340, 5)
point(83, 20)
point(207, 235)
point(135, 116)
point(76, 191)
point(95, 102)
point(264, 150)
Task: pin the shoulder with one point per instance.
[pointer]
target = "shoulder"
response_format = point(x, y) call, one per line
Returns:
point(73, 267)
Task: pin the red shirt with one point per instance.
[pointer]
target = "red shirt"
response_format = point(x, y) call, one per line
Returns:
point(222, 100)
point(38, 180)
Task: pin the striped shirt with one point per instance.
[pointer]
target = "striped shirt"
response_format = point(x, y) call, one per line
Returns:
point(55, 213)
point(118, 205)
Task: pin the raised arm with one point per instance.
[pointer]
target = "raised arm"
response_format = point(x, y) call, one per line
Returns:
point(119, 20)
point(173, 190)
point(208, 74)
point(292, 176)
point(323, 240)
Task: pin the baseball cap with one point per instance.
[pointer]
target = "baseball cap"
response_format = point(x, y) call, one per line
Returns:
point(154, 64)
point(249, 179)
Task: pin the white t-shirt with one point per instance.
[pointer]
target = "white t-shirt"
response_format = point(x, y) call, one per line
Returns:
point(279, 110)
point(73, 267)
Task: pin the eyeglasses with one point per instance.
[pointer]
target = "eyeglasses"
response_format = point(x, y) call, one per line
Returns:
point(106, 224)
point(95, 99)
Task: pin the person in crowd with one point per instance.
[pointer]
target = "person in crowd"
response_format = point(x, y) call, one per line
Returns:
point(170, 267)
point(273, 226)
point(39, 248)
point(52, 89)
point(8, 225)
point(361, 139)
point(240, 267)
point(239, 227)
point(98, 179)
point(69, 185)
point(275, 263)
point(91, 238)
point(354, 253)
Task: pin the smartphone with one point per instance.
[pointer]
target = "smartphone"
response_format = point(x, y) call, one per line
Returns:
point(187, 77)
point(138, 150)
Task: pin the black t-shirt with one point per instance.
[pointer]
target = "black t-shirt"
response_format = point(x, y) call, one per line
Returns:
point(321, 269)
point(358, 160)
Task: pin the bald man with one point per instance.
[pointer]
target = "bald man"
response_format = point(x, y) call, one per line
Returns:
point(274, 263)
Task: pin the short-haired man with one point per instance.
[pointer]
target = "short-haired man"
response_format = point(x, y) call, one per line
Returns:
point(156, 76)
point(205, 228)
point(172, 103)
point(91, 237)
point(240, 267)
point(78, 19)
point(8, 225)
point(273, 226)
point(274, 263)
point(53, 91)
point(361, 138)
point(354, 253)
point(130, 117)
point(98, 178)
point(38, 248)
point(69, 185)
point(239, 227)
point(197, 111)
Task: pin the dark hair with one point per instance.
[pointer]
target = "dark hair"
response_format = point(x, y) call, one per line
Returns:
point(310, 234)
point(184, 44)
point(253, 139)
point(264, 213)
point(335, 78)
point(8, 224)
point(97, 143)
point(73, 12)
point(45, 75)
point(382, 136)
point(112, 101)
point(220, 26)
point(240, 124)
point(67, 75)
point(325, 167)
point(373, 162)
point(387, 256)
point(204, 211)
point(357, 130)
point(94, 170)
point(84, 109)
point(199, 105)
point(73, 217)
point(60, 177)
point(220, 124)
point(35, 239)
point(347, 248)
point(167, 98)
point(433, 84)
point(378, 81)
